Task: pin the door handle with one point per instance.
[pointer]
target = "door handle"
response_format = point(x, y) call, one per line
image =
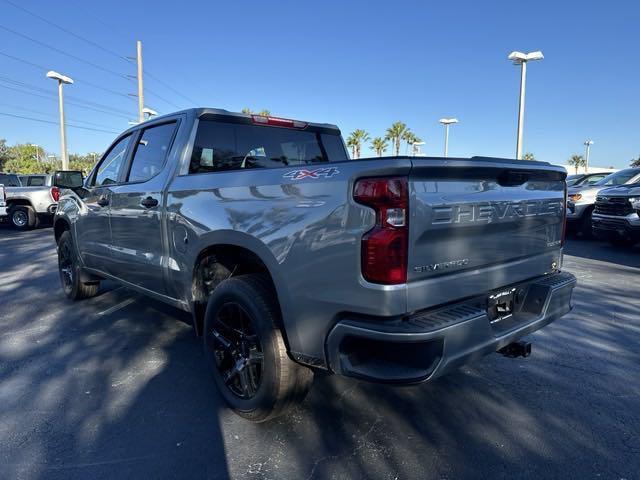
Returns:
point(149, 202)
point(103, 201)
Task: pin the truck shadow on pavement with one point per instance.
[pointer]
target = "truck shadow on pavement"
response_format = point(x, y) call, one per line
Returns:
point(117, 388)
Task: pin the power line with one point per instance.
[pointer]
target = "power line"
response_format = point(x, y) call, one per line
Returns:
point(62, 52)
point(80, 6)
point(81, 80)
point(169, 87)
point(71, 102)
point(80, 37)
point(55, 123)
point(30, 110)
point(49, 93)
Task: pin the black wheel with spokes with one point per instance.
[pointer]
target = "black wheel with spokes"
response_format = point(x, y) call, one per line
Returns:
point(238, 353)
point(72, 285)
point(246, 352)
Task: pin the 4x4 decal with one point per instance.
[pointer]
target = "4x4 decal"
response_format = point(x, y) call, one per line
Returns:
point(316, 173)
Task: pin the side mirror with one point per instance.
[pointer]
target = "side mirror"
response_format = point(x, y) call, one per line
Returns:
point(68, 179)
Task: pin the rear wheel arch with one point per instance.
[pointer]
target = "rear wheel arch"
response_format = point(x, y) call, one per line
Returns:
point(218, 262)
point(59, 227)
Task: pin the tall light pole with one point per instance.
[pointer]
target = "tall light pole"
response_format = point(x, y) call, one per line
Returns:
point(62, 79)
point(587, 144)
point(37, 147)
point(446, 122)
point(519, 58)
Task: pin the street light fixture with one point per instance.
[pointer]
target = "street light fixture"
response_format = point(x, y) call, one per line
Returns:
point(587, 144)
point(149, 112)
point(62, 79)
point(446, 122)
point(519, 58)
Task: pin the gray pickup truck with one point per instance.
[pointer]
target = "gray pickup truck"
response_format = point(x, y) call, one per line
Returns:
point(616, 217)
point(26, 206)
point(294, 259)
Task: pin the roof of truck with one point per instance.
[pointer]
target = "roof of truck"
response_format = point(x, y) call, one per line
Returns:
point(206, 112)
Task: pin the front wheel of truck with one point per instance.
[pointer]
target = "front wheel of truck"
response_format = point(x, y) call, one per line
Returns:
point(246, 352)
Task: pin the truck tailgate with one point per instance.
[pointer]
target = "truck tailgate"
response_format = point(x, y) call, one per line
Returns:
point(480, 224)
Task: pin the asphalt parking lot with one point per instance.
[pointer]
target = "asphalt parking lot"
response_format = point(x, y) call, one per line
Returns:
point(115, 387)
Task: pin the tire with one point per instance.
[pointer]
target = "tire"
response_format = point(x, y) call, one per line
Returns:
point(23, 217)
point(586, 227)
point(246, 353)
point(69, 271)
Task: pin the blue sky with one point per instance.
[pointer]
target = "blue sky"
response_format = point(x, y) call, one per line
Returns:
point(359, 64)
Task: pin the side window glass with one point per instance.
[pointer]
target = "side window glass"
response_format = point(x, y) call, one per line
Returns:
point(111, 165)
point(151, 152)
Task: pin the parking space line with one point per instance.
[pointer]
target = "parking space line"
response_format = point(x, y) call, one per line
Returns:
point(117, 307)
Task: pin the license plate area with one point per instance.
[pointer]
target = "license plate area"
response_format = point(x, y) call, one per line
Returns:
point(501, 305)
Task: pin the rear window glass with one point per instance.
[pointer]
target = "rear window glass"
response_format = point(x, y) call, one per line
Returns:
point(9, 180)
point(36, 181)
point(230, 146)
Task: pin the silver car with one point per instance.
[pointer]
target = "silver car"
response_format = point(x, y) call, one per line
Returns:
point(582, 199)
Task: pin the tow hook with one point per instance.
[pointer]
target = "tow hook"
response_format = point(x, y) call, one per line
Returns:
point(516, 349)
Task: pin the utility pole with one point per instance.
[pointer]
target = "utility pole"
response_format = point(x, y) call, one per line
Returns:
point(62, 79)
point(140, 84)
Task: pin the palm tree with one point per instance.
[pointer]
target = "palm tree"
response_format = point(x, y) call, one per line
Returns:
point(411, 139)
point(379, 145)
point(264, 112)
point(351, 143)
point(635, 162)
point(355, 140)
point(528, 156)
point(395, 133)
point(577, 161)
point(247, 111)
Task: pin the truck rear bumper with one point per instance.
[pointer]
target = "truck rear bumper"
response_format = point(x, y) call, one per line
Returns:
point(429, 344)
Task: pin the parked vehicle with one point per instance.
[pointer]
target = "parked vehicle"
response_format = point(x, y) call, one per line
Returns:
point(294, 259)
point(582, 199)
point(585, 178)
point(37, 180)
point(26, 207)
point(616, 215)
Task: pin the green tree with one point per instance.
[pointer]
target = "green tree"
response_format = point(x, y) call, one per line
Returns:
point(395, 133)
point(356, 139)
point(379, 145)
point(635, 162)
point(528, 156)
point(411, 139)
point(5, 153)
point(351, 143)
point(264, 112)
point(577, 161)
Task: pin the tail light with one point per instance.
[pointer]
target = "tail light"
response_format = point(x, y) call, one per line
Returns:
point(55, 193)
point(564, 218)
point(278, 122)
point(385, 246)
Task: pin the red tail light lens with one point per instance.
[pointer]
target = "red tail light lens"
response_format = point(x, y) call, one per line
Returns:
point(385, 246)
point(278, 122)
point(564, 218)
point(55, 193)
